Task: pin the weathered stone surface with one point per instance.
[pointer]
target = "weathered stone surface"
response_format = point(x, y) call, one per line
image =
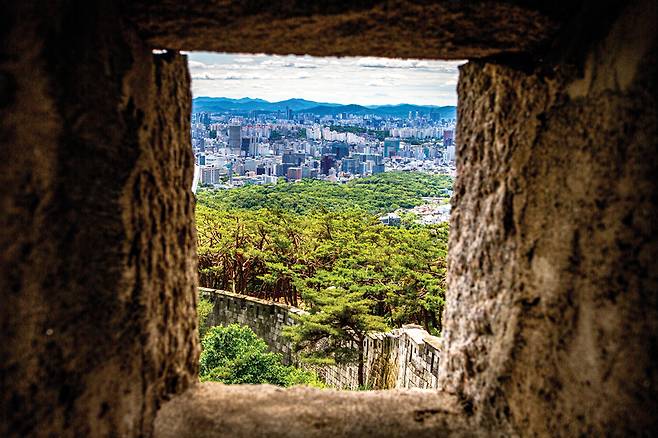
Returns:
point(407, 29)
point(215, 410)
point(265, 318)
point(552, 316)
point(97, 269)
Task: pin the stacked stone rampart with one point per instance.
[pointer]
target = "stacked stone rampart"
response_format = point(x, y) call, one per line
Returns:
point(265, 318)
point(406, 357)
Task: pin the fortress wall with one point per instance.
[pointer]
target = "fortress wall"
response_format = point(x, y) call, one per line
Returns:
point(265, 318)
point(407, 357)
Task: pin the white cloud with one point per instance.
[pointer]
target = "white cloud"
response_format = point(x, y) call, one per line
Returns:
point(389, 63)
point(195, 65)
point(383, 63)
point(304, 65)
point(342, 80)
point(377, 84)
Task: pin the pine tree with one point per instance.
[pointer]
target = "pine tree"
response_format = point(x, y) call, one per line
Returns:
point(335, 328)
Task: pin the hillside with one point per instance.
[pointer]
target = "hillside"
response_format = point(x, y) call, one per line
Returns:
point(375, 194)
point(246, 105)
point(319, 243)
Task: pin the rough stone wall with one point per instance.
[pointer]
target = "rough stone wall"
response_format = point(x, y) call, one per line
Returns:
point(402, 358)
point(418, 357)
point(213, 410)
point(265, 318)
point(391, 28)
point(552, 321)
point(97, 274)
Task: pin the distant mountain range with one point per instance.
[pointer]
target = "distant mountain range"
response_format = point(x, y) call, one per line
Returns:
point(246, 105)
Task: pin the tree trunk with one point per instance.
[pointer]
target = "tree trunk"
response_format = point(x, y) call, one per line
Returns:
point(360, 374)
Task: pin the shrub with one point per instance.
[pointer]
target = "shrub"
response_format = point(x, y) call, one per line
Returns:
point(203, 309)
point(235, 354)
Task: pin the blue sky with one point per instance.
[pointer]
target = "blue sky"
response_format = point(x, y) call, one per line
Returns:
point(365, 81)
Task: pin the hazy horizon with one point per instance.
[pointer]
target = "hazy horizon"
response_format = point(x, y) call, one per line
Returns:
point(350, 80)
point(310, 100)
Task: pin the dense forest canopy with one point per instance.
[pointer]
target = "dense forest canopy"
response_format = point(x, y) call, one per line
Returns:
point(380, 193)
point(319, 245)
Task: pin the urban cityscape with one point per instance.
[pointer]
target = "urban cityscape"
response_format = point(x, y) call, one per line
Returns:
point(330, 208)
point(234, 148)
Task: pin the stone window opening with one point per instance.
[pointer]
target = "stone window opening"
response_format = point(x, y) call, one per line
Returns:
point(383, 369)
point(553, 321)
point(427, 416)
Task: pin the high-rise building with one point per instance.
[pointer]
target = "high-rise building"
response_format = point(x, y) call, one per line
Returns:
point(296, 159)
point(282, 169)
point(376, 158)
point(248, 146)
point(391, 147)
point(253, 148)
point(327, 162)
point(341, 150)
point(448, 137)
point(351, 165)
point(235, 137)
point(203, 118)
point(450, 153)
point(211, 175)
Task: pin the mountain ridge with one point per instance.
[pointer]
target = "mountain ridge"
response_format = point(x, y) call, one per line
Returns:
point(297, 105)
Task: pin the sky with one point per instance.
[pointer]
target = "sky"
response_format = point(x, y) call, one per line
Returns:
point(363, 81)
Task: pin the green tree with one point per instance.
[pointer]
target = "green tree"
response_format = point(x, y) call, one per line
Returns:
point(274, 242)
point(335, 328)
point(375, 194)
point(203, 309)
point(235, 354)
point(272, 255)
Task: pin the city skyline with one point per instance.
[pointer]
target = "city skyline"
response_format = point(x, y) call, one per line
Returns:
point(349, 80)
